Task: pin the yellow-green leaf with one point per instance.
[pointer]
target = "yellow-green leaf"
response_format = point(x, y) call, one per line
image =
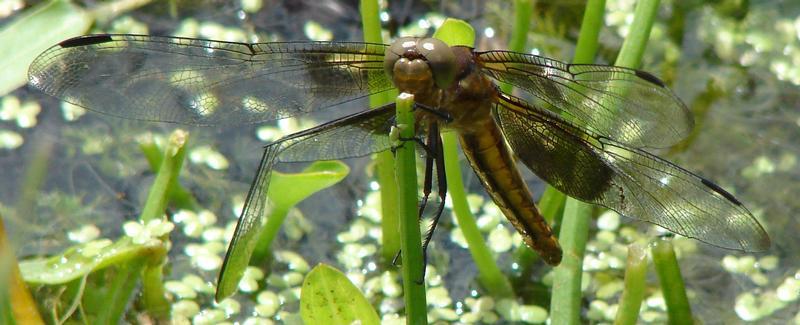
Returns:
point(328, 297)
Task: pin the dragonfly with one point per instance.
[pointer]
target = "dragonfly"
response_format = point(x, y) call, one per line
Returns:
point(582, 128)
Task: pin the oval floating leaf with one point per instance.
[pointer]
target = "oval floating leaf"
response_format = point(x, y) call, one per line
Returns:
point(328, 297)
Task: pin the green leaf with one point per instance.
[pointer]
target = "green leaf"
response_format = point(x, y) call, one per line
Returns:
point(455, 32)
point(32, 33)
point(78, 261)
point(328, 297)
point(108, 292)
point(290, 189)
point(285, 190)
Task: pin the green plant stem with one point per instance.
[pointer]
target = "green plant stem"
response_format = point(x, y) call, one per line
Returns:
point(522, 23)
point(552, 204)
point(384, 161)
point(390, 221)
point(630, 55)
point(410, 240)
point(35, 174)
point(370, 21)
point(275, 218)
point(633, 294)
point(565, 306)
point(489, 274)
point(158, 196)
point(153, 294)
point(592, 23)
point(178, 196)
point(119, 291)
point(155, 301)
point(672, 286)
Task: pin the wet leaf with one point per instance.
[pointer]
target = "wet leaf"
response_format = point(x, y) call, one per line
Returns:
point(83, 259)
point(328, 297)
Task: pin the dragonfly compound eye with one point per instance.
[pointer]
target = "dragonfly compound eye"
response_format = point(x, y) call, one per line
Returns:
point(441, 59)
point(396, 51)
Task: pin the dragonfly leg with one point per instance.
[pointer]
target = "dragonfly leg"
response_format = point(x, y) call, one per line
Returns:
point(435, 142)
point(427, 184)
point(434, 154)
point(432, 110)
point(416, 140)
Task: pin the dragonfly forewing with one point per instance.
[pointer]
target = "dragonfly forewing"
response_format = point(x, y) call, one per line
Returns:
point(204, 82)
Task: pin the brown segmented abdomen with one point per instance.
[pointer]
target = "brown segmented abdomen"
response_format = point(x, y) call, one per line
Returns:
point(492, 161)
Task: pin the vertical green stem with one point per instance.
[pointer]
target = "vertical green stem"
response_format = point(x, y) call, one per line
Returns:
point(410, 243)
point(672, 287)
point(593, 16)
point(519, 36)
point(270, 230)
point(633, 294)
point(35, 173)
point(384, 161)
point(154, 295)
point(522, 23)
point(630, 55)
point(565, 306)
point(178, 196)
point(119, 291)
point(157, 197)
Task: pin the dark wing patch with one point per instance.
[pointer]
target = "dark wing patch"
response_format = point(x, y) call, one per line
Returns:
point(630, 181)
point(85, 41)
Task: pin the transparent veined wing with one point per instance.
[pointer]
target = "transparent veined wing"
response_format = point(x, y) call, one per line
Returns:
point(627, 105)
point(205, 82)
point(634, 183)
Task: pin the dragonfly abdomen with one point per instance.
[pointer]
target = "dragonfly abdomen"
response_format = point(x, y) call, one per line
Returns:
point(494, 165)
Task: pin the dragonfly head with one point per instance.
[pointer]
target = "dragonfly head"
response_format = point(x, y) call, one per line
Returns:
point(416, 63)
